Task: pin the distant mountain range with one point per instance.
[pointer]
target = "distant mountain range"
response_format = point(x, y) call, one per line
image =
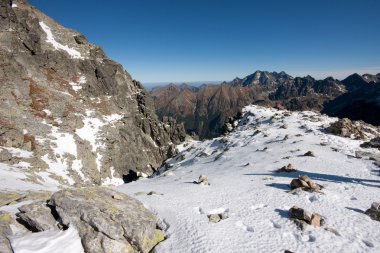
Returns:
point(152, 85)
point(205, 109)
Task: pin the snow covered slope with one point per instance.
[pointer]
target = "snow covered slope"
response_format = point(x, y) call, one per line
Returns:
point(241, 170)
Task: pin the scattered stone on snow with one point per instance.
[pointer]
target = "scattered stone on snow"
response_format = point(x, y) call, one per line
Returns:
point(262, 150)
point(216, 217)
point(309, 153)
point(154, 193)
point(374, 211)
point(332, 230)
point(288, 168)
point(373, 143)
point(370, 155)
point(202, 180)
point(302, 218)
point(285, 126)
point(306, 184)
point(256, 132)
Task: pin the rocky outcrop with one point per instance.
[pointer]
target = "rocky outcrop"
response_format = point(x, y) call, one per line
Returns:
point(352, 129)
point(82, 116)
point(106, 223)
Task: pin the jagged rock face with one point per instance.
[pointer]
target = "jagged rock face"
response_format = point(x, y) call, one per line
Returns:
point(80, 114)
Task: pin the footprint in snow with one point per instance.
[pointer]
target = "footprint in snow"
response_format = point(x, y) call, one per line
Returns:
point(241, 225)
point(305, 237)
point(258, 206)
point(198, 210)
point(275, 224)
point(313, 198)
point(368, 244)
point(218, 210)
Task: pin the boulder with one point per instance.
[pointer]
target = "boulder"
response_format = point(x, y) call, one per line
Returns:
point(302, 218)
point(202, 180)
point(305, 183)
point(288, 168)
point(214, 218)
point(374, 211)
point(299, 214)
point(315, 220)
point(373, 143)
point(38, 217)
point(106, 223)
point(309, 153)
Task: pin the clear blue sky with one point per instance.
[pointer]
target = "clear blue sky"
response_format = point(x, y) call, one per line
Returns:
point(200, 40)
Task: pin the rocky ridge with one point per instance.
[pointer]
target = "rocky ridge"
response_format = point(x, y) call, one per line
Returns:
point(204, 110)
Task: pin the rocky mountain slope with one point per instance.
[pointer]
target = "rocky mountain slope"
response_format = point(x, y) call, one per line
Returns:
point(282, 181)
point(68, 114)
point(362, 102)
point(208, 107)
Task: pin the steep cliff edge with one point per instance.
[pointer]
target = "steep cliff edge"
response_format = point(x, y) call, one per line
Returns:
point(69, 114)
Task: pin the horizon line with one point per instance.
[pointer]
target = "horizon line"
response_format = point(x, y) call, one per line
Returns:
point(342, 73)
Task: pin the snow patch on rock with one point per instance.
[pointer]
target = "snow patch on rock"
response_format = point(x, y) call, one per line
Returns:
point(58, 46)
